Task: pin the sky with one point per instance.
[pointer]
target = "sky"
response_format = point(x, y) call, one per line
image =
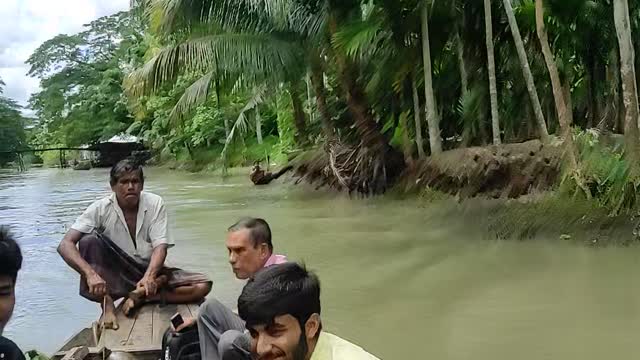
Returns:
point(25, 24)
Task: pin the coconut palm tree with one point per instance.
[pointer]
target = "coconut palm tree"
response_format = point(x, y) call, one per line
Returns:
point(526, 70)
point(629, 85)
point(433, 121)
point(491, 67)
point(564, 116)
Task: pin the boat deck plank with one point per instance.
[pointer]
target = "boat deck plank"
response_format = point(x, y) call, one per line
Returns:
point(116, 339)
point(144, 331)
point(161, 321)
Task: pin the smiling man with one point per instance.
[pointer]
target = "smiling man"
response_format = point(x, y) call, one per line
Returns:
point(10, 264)
point(281, 308)
point(119, 246)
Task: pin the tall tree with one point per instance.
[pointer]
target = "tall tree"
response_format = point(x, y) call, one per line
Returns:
point(629, 85)
point(258, 126)
point(491, 67)
point(299, 115)
point(564, 115)
point(81, 98)
point(433, 121)
point(526, 71)
point(462, 66)
point(317, 81)
point(12, 135)
point(416, 116)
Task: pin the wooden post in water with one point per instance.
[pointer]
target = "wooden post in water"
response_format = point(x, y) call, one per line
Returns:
point(61, 164)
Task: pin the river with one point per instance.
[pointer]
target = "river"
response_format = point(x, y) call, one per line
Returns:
point(396, 278)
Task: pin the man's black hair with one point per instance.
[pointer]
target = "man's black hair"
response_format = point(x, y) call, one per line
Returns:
point(259, 230)
point(124, 167)
point(10, 254)
point(280, 290)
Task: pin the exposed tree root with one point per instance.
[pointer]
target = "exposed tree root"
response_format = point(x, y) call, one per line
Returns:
point(350, 168)
point(509, 170)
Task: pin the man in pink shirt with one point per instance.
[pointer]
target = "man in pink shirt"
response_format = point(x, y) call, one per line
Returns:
point(221, 331)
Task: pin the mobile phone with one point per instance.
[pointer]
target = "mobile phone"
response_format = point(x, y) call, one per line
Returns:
point(177, 320)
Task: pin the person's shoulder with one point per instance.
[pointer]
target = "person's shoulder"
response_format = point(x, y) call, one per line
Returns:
point(101, 203)
point(151, 198)
point(343, 349)
point(280, 259)
point(9, 350)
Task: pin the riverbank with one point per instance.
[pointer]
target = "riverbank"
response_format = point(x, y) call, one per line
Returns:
point(545, 215)
point(549, 214)
point(514, 192)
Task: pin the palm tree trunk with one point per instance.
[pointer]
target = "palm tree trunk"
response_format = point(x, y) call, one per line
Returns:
point(566, 90)
point(435, 141)
point(462, 68)
point(312, 115)
point(592, 102)
point(526, 71)
point(464, 84)
point(406, 141)
point(317, 81)
point(628, 75)
point(416, 116)
point(299, 118)
point(564, 116)
point(258, 126)
point(398, 105)
point(464, 77)
point(187, 146)
point(615, 103)
point(226, 121)
point(491, 65)
point(369, 130)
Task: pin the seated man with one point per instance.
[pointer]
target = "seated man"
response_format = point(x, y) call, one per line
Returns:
point(10, 263)
point(122, 244)
point(281, 307)
point(250, 249)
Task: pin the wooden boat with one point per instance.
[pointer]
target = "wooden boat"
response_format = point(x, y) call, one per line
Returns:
point(137, 338)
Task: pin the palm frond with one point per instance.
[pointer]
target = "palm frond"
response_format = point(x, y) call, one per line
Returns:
point(163, 14)
point(361, 39)
point(231, 15)
point(311, 25)
point(269, 16)
point(257, 56)
point(276, 11)
point(241, 124)
point(193, 96)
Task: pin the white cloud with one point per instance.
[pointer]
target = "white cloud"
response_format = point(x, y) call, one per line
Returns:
point(25, 24)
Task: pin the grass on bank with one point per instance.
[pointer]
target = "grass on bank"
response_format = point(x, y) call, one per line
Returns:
point(606, 215)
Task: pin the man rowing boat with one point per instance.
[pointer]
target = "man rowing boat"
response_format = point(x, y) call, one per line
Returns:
point(119, 246)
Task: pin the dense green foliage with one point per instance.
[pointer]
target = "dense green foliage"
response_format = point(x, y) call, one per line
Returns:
point(232, 81)
point(81, 99)
point(219, 59)
point(12, 133)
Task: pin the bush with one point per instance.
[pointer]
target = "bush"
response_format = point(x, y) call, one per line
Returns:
point(605, 174)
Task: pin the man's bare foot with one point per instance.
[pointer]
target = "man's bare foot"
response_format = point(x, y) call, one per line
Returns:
point(108, 318)
point(134, 300)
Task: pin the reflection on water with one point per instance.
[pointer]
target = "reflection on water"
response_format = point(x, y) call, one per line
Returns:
point(396, 278)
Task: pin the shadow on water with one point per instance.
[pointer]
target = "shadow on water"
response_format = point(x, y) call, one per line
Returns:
point(397, 277)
